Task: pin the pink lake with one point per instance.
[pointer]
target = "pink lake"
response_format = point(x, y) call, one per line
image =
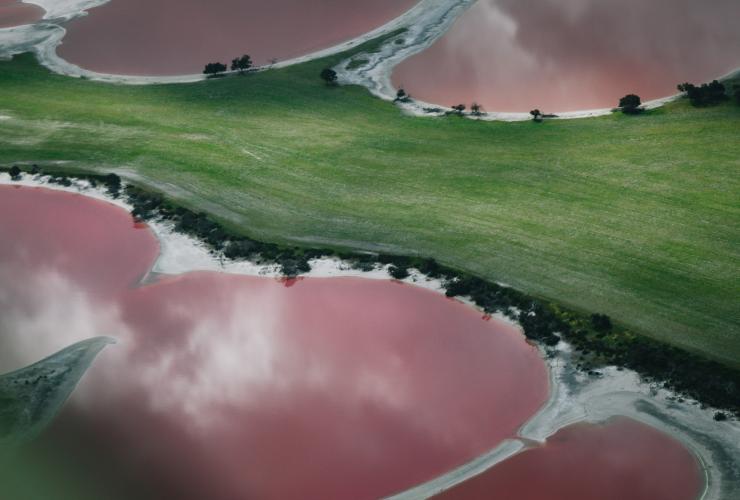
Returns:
point(173, 37)
point(226, 386)
point(16, 13)
point(616, 461)
point(566, 55)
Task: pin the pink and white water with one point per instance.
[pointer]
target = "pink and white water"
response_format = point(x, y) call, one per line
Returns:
point(226, 386)
point(567, 55)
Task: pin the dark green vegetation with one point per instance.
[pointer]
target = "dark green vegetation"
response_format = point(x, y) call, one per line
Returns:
point(329, 76)
point(630, 104)
point(214, 69)
point(635, 218)
point(32, 396)
point(707, 94)
point(241, 64)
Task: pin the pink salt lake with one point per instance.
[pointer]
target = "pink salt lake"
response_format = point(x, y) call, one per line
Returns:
point(567, 55)
point(227, 386)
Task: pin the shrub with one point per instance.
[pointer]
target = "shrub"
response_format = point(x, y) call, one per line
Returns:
point(241, 64)
point(398, 273)
point(601, 322)
point(15, 172)
point(214, 69)
point(707, 94)
point(630, 104)
point(329, 76)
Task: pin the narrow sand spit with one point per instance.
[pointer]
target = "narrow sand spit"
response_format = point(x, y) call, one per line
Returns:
point(575, 396)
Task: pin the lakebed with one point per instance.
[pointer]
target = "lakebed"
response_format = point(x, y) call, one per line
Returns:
point(309, 361)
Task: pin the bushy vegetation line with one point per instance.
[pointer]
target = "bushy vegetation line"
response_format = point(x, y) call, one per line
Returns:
point(596, 340)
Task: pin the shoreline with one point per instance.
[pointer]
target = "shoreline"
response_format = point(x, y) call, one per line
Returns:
point(574, 396)
point(424, 24)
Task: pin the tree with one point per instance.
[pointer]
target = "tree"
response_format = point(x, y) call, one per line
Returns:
point(329, 76)
point(476, 109)
point(402, 96)
point(707, 94)
point(213, 70)
point(113, 182)
point(458, 109)
point(630, 104)
point(15, 172)
point(736, 91)
point(601, 322)
point(241, 64)
point(536, 115)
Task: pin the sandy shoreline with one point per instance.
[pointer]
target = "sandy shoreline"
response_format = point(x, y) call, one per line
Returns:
point(574, 395)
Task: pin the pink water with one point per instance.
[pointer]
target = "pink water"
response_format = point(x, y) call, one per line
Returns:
point(565, 55)
point(171, 37)
point(15, 13)
point(242, 387)
point(621, 460)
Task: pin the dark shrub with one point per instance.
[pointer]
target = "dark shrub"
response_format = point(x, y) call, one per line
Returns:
point(213, 70)
point(707, 94)
point(15, 172)
point(601, 322)
point(398, 273)
point(329, 76)
point(630, 104)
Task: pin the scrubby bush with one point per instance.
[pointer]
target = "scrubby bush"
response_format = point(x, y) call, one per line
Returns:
point(241, 64)
point(213, 70)
point(398, 273)
point(15, 172)
point(329, 76)
point(601, 322)
point(707, 94)
point(630, 104)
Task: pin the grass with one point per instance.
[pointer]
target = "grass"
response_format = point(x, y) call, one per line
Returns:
point(636, 217)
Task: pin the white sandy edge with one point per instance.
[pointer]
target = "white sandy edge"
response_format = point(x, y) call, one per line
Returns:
point(574, 396)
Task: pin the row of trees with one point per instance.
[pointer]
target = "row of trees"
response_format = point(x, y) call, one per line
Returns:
point(706, 94)
point(240, 64)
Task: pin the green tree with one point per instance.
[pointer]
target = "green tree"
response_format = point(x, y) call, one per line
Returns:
point(630, 104)
point(214, 69)
point(15, 172)
point(241, 64)
point(458, 109)
point(329, 76)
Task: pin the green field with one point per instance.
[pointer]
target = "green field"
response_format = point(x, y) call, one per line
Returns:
point(636, 217)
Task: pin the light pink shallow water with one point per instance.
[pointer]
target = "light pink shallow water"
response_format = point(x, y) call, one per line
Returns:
point(618, 461)
point(239, 387)
point(15, 13)
point(171, 37)
point(565, 55)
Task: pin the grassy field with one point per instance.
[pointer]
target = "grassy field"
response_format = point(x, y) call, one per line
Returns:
point(636, 217)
